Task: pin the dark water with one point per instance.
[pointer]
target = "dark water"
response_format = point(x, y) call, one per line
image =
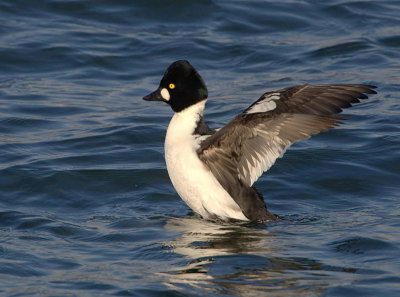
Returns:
point(86, 205)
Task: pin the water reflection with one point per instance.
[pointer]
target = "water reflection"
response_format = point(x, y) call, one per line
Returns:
point(241, 260)
point(203, 238)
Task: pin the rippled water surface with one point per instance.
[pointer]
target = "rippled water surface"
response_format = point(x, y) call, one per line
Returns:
point(86, 205)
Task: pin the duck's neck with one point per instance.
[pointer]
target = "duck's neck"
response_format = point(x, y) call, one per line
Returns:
point(184, 123)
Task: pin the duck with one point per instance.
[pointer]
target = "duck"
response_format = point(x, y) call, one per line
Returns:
point(214, 170)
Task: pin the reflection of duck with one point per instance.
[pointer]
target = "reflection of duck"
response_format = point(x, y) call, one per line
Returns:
point(205, 243)
point(203, 238)
point(242, 260)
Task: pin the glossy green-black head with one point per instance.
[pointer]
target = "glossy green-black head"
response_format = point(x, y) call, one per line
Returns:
point(180, 87)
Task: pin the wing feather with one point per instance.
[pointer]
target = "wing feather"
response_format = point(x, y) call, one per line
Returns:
point(249, 151)
point(253, 140)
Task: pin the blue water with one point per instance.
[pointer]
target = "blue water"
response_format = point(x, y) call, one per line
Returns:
point(86, 205)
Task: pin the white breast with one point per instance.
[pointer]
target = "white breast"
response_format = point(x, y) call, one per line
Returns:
point(193, 181)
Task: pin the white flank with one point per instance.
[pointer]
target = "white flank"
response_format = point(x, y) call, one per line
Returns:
point(266, 104)
point(193, 181)
point(165, 94)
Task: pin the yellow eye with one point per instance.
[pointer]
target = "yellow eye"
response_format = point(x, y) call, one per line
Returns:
point(171, 86)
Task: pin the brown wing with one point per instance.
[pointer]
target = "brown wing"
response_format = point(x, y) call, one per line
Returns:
point(253, 140)
point(315, 99)
point(246, 148)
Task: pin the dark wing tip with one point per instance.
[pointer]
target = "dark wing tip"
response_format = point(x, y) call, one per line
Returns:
point(371, 89)
point(322, 99)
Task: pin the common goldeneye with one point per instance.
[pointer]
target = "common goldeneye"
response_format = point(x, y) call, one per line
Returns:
point(213, 171)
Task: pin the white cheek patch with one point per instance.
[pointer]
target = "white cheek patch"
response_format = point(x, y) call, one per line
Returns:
point(266, 104)
point(165, 94)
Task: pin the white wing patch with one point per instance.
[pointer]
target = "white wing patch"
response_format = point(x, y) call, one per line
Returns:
point(200, 138)
point(265, 104)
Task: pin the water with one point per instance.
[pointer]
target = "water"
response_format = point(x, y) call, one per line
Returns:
point(86, 205)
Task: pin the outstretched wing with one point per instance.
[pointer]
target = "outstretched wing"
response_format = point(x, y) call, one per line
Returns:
point(311, 99)
point(249, 144)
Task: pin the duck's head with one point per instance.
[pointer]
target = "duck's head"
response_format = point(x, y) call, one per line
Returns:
point(180, 87)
